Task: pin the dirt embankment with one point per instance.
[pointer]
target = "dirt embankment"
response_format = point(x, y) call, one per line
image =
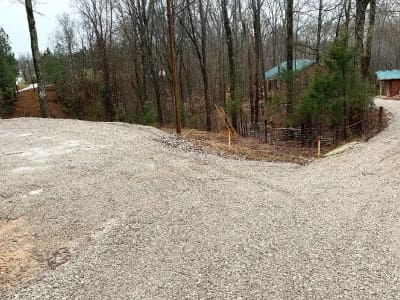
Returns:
point(27, 104)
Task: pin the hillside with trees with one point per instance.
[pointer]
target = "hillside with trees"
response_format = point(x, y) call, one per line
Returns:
point(261, 174)
point(111, 61)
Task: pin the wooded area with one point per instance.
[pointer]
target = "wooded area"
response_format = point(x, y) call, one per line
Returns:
point(112, 60)
point(8, 73)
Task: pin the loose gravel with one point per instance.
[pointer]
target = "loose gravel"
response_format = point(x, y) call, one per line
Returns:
point(118, 211)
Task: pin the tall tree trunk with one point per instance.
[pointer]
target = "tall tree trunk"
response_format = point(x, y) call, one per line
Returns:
point(274, 46)
point(201, 51)
point(366, 59)
point(319, 28)
point(157, 91)
point(203, 26)
point(175, 89)
point(259, 60)
point(137, 82)
point(361, 7)
point(36, 59)
point(289, 56)
point(147, 33)
point(257, 95)
point(264, 81)
point(347, 17)
point(251, 89)
point(231, 60)
point(108, 103)
point(181, 87)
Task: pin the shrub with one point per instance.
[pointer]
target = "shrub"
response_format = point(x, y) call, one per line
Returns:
point(149, 116)
point(120, 113)
point(340, 95)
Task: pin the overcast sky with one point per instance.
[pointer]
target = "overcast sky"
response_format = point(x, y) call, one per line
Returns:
point(13, 20)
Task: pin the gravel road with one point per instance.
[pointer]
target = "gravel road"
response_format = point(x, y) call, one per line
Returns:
point(117, 211)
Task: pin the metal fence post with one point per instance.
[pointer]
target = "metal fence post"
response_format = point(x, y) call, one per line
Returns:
point(380, 124)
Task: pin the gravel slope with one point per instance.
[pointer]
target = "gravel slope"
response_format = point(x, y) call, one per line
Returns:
point(116, 214)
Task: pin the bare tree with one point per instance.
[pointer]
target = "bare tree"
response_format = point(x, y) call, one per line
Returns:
point(231, 58)
point(219, 44)
point(289, 55)
point(366, 58)
point(175, 89)
point(260, 83)
point(319, 29)
point(98, 15)
point(36, 59)
point(199, 41)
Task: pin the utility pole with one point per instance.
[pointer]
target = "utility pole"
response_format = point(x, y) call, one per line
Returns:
point(173, 66)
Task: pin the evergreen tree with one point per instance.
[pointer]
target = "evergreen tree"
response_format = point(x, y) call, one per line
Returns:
point(8, 74)
point(54, 67)
point(338, 96)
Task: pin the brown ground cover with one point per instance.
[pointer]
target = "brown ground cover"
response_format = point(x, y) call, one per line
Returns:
point(27, 104)
point(251, 148)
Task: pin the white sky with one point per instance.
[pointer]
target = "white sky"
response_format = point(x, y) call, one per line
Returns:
point(13, 20)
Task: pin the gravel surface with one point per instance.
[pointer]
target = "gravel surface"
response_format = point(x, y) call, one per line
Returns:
point(116, 211)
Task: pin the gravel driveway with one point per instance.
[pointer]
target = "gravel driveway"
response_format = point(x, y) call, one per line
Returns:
point(113, 211)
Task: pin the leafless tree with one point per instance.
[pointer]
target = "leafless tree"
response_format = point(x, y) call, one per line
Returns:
point(289, 55)
point(231, 58)
point(198, 36)
point(98, 16)
point(36, 58)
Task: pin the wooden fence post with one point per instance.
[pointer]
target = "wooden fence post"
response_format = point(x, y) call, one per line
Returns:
point(319, 147)
point(380, 122)
point(229, 139)
point(266, 130)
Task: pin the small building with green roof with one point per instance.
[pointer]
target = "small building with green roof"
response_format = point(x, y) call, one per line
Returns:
point(303, 68)
point(389, 82)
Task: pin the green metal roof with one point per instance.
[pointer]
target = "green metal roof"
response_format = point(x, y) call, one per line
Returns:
point(388, 74)
point(298, 65)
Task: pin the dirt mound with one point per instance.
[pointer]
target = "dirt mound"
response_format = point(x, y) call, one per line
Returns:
point(18, 260)
point(27, 104)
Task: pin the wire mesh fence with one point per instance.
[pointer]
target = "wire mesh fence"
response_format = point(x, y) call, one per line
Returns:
point(305, 136)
